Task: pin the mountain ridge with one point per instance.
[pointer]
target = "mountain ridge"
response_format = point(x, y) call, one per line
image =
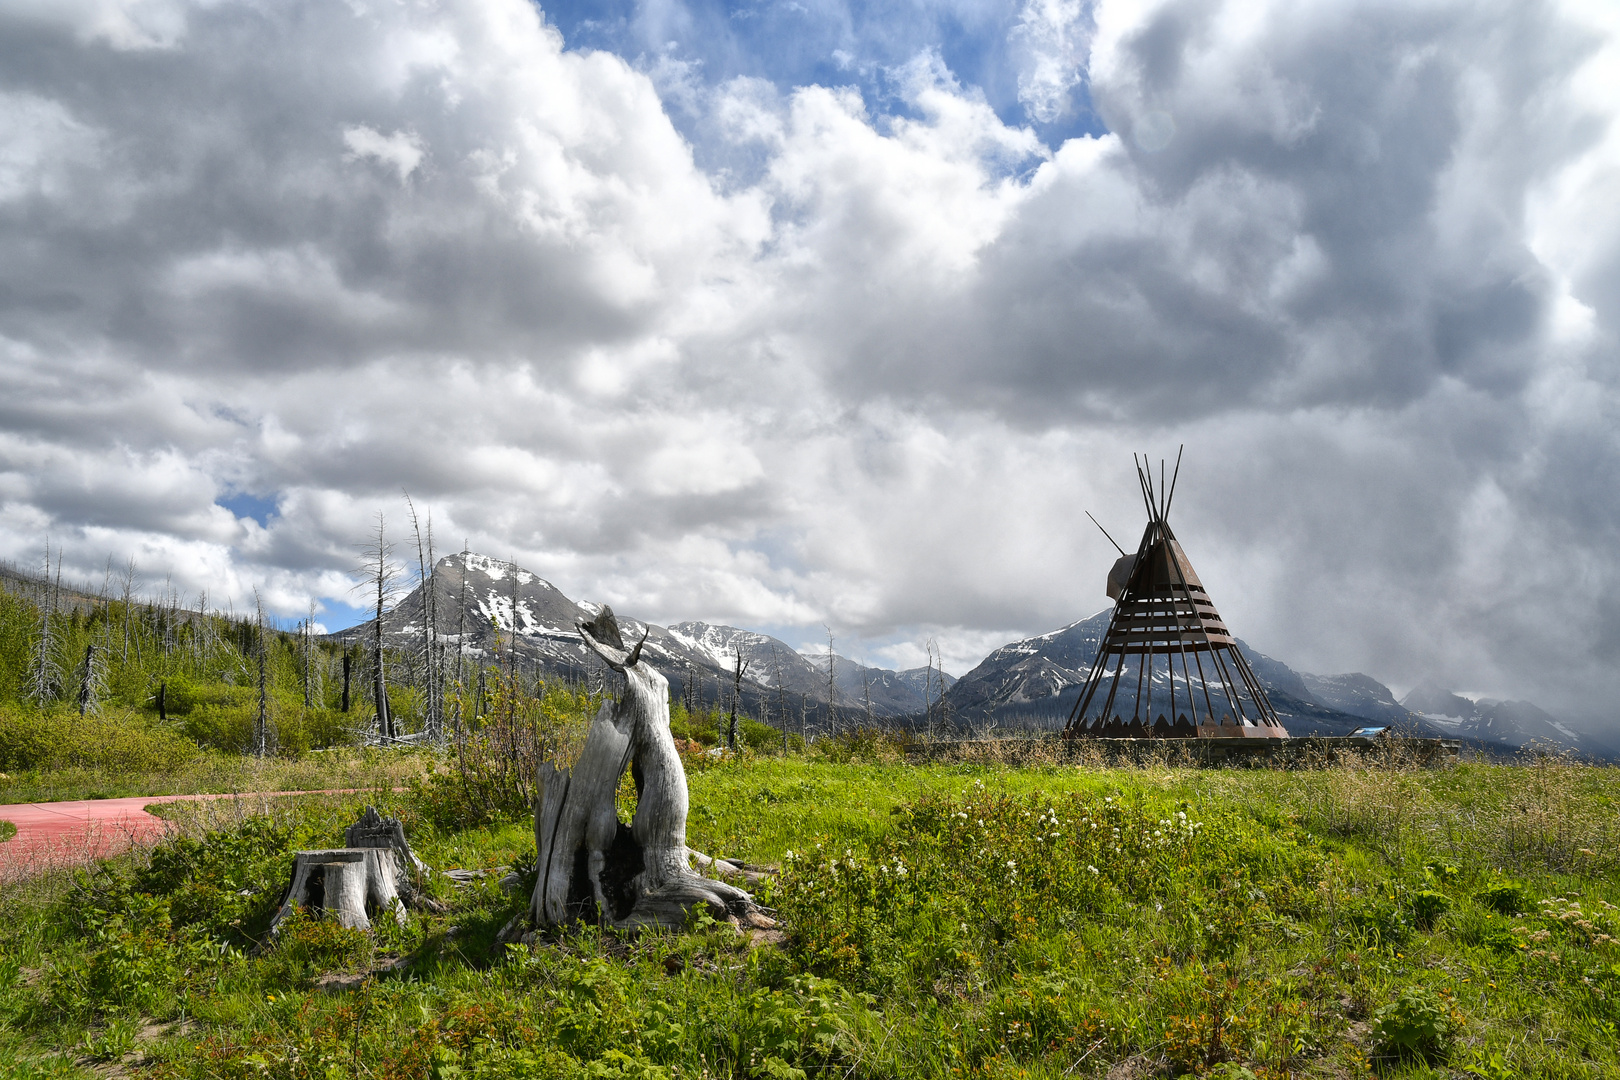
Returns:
point(486, 605)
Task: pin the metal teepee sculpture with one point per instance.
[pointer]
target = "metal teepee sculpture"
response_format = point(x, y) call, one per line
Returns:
point(1167, 667)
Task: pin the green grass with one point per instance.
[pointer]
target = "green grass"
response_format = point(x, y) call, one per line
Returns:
point(944, 921)
point(7, 831)
point(210, 772)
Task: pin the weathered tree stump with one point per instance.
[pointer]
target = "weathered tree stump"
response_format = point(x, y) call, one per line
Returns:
point(355, 883)
point(591, 866)
point(375, 831)
point(348, 884)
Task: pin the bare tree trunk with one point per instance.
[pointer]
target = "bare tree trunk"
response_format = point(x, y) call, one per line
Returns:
point(929, 698)
point(382, 577)
point(87, 680)
point(44, 678)
point(832, 684)
point(739, 669)
point(129, 603)
point(261, 723)
point(461, 638)
point(781, 695)
point(306, 642)
point(430, 677)
point(589, 862)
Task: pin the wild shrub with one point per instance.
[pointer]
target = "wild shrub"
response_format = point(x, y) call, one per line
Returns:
point(701, 726)
point(59, 738)
point(763, 737)
point(306, 946)
point(865, 744)
point(226, 883)
point(1419, 1023)
point(131, 958)
point(510, 728)
point(1504, 897)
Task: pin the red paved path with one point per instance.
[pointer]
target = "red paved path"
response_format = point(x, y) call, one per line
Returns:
point(55, 834)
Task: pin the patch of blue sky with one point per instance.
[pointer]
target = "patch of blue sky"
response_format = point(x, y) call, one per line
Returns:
point(338, 615)
point(251, 507)
point(794, 43)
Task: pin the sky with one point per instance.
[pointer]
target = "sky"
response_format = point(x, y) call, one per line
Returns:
point(830, 314)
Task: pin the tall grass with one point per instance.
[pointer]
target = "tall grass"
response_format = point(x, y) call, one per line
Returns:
point(945, 920)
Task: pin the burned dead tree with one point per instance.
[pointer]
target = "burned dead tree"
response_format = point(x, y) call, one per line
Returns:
point(592, 866)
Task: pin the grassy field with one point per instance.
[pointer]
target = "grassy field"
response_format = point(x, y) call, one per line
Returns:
point(216, 772)
point(943, 920)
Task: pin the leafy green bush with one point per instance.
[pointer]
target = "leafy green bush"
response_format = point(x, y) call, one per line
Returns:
point(306, 946)
point(59, 738)
point(757, 736)
point(1505, 898)
point(1419, 1023)
point(1381, 922)
point(1428, 906)
point(227, 883)
point(865, 744)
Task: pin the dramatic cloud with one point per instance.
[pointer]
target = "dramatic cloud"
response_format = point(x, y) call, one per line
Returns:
point(839, 315)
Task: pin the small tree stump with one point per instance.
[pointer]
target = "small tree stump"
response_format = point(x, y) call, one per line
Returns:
point(349, 884)
point(375, 831)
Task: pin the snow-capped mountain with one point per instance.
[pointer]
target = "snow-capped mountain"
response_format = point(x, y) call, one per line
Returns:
point(1036, 682)
point(773, 664)
point(1500, 724)
point(486, 606)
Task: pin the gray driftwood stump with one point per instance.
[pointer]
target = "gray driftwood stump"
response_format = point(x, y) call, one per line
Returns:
point(591, 866)
point(369, 877)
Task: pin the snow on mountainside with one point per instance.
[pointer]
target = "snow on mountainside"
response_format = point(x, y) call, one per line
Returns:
point(1356, 694)
point(1036, 682)
point(478, 597)
point(774, 664)
point(1499, 724)
point(1033, 682)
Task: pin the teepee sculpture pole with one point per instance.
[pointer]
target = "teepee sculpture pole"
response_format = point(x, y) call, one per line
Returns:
point(1161, 607)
